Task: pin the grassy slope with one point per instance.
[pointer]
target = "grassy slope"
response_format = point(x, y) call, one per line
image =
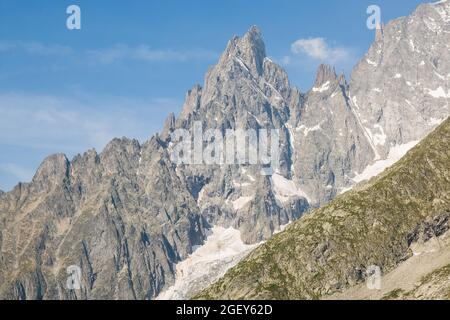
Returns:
point(329, 249)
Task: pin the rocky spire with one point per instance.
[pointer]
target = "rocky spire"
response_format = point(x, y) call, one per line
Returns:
point(250, 49)
point(51, 172)
point(325, 73)
point(341, 79)
point(379, 32)
point(169, 126)
point(191, 101)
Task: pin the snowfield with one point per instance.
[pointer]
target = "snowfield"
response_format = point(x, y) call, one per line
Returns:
point(395, 154)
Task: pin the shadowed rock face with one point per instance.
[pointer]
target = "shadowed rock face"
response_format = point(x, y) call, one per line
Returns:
point(126, 216)
point(124, 229)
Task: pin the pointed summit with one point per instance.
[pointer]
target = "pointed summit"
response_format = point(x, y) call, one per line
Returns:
point(51, 172)
point(379, 32)
point(250, 49)
point(169, 126)
point(325, 73)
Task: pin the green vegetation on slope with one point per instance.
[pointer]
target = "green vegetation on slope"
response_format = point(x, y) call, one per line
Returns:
point(329, 249)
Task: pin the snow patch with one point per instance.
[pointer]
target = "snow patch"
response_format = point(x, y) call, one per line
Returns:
point(379, 138)
point(222, 250)
point(395, 154)
point(306, 130)
point(243, 65)
point(200, 196)
point(322, 88)
point(373, 63)
point(241, 202)
point(241, 184)
point(434, 122)
point(376, 89)
point(284, 189)
point(438, 93)
point(291, 136)
point(411, 43)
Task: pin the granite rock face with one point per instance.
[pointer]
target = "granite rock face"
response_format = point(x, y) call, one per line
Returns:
point(400, 89)
point(125, 230)
point(378, 224)
point(127, 215)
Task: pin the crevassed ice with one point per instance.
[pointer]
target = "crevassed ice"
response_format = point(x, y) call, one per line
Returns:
point(222, 250)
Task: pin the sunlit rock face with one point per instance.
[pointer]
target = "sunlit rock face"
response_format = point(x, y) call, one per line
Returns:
point(128, 215)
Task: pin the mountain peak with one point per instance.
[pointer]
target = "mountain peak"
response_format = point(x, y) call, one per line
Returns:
point(254, 33)
point(379, 32)
point(250, 49)
point(325, 73)
point(169, 126)
point(52, 170)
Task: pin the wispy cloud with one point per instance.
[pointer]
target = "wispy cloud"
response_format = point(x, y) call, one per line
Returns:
point(34, 126)
point(108, 55)
point(148, 54)
point(20, 173)
point(75, 124)
point(36, 48)
point(319, 50)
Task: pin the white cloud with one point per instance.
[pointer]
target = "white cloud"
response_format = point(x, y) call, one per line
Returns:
point(319, 49)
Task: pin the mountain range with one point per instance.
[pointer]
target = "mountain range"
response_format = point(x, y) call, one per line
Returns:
point(128, 216)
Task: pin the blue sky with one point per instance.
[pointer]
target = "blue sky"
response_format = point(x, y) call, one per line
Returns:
point(133, 61)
